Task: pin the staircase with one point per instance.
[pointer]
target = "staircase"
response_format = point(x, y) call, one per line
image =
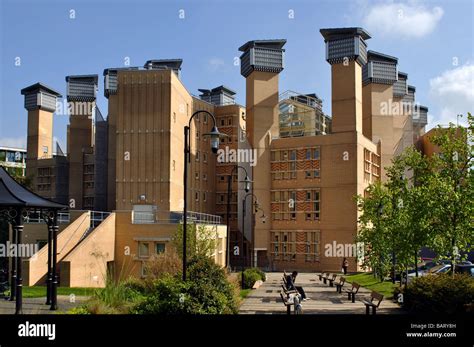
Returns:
point(69, 239)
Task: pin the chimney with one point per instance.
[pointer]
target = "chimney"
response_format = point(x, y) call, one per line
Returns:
point(378, 77)
point(219, 96)
point(260, 63)
point(40, 102)
point(165, 64)
point(346, 51)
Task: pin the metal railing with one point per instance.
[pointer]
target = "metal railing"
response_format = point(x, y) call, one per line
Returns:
point(35, 218)
point(173, 217)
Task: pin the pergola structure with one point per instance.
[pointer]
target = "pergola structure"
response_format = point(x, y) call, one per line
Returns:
point(16, 204)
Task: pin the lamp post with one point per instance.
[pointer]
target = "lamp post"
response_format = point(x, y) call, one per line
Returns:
point(263, 218)
point(215, 136)
point(246, 182)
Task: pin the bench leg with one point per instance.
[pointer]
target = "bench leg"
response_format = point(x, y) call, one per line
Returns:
point(324, 281)
point(374, 309)
point(367, 309)
point(348, 296)
point(353, 297)
point(331, 284)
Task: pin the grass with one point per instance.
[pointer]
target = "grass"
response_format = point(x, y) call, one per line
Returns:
point(368, 281)
point(244, 293)
point(40, 291)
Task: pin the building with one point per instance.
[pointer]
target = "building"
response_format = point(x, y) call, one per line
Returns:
point(306, 166)
point(13, 160)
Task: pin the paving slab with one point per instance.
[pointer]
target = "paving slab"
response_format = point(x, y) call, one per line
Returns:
point(323, 298)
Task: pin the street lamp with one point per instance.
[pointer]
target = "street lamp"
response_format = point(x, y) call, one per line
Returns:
point(247, 183)
point(263, 219)
point(215, 136)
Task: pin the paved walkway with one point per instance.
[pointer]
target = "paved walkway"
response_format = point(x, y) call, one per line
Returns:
point(323, 299)
point(37, 305)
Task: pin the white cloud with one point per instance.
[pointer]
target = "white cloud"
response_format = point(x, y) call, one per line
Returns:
point(15, 142)
point(215, 64)
point(406, 20)
point(453, 91)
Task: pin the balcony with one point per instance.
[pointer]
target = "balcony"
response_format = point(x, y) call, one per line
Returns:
point(173, 217)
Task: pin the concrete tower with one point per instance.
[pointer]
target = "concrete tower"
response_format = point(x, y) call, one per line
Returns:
point(261, 62)
point(81, 96)
point(346, 51)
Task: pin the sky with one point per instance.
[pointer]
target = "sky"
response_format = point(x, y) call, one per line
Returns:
point(44, 41)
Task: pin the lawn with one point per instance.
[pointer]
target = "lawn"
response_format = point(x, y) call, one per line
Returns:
point(40, 291)
point(368, 281)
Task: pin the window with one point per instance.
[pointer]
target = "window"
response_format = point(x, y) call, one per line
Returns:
point(316, 153)
point(229, 121)
point(160, 248)
point(197, 155)
point(222, 178)
point(316, 173)
point(205, 118)
point(143, 249)
point(204, 157)
point(204, 196)
point(197, 134)
point(308, 154)
point(196, 175)
point(174, 165)
point(204, 176)
point(174, 117)
point(293, 155)
point(316, 205)
point(196, 196)
point(308, 174)
point(45, 149)
point(222, 122)
point(308, 195)
point(221, 197)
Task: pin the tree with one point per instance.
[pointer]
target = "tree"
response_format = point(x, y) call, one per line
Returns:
point(452, 187)
point(200, 240)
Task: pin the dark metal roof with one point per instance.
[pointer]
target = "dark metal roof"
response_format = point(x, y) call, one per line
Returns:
point(217, 90)
point(93, 78)
point(13, 194)
point(171, 63)
point(373, 55)
point(339, 33)
point(402, 74)
point(423, 108)
point(413, 88)
point(106, 71)
point(34, 88)
point(274, 43)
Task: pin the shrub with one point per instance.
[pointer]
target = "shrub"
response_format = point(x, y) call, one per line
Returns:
point(162, 264)
point(207, 291)
point(442, 293)
point(115, 298)
point(251, 276)
point(79, 310)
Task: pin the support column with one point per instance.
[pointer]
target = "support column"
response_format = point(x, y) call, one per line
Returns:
point(19, 279)
point(49, 278)
point(54, 284)
point(13, 266)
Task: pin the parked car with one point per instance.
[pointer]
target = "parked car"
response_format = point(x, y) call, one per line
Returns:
point(464, 269)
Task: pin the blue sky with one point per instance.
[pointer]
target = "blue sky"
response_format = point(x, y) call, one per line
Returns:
point(432, 39)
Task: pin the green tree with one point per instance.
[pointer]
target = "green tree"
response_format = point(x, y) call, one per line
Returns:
point(452, 187)
point(200, 240)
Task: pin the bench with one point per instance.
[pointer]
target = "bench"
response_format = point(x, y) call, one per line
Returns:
point(291, 301)
point(325, 278)
point(375, 300)
point(288, 291)
point(340, 284)
point(353, 291)
point(331, 280)
point(321, 276)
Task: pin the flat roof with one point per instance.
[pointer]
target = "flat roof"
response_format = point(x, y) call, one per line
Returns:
point(271, 43)
point(338, 33)
point(402, 74)
point(219, 89)
point(93, 77)
point(381, 56)
point(13, 149)
point(40, 87)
